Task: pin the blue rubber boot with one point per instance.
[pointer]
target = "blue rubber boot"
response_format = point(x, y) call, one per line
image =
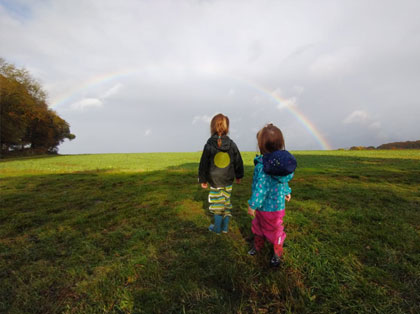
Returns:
point(225, 224)
point(217, 224)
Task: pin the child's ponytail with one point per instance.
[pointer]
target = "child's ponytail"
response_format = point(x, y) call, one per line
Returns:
point(219, 125)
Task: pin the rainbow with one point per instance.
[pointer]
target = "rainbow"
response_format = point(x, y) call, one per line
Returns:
point(88, 84)
point(284, 103)
point(308, 125)
point(304, 121)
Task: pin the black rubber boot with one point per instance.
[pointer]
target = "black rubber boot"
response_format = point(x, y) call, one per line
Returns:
point(275, 261)
point(252, 251)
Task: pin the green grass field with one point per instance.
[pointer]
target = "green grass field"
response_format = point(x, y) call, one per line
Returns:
point(127, 233)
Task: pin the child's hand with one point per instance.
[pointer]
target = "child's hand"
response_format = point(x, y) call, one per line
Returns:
point(204, 185)
point(288, 197)
point(251, 211)
point(238, 181)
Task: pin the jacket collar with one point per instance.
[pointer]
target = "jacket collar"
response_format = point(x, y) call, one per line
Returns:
point(258, 159)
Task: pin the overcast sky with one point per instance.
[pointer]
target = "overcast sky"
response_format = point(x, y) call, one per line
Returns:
point(147, 76)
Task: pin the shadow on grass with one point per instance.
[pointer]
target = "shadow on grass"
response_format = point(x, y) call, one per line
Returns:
point(100, 240)
point(6, 158)
point(138, 242)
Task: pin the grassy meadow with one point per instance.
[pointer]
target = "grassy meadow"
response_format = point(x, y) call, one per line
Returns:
point(127, 233)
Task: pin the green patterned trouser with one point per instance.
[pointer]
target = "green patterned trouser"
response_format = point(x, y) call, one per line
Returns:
point(219, 199)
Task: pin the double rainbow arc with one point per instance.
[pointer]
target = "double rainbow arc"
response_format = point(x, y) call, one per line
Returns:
point(284, 103)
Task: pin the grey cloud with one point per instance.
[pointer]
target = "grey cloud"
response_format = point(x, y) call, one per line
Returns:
point(183, 62)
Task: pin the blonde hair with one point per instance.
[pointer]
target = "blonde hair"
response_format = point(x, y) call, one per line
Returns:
point(219, 125)
point(270, 139)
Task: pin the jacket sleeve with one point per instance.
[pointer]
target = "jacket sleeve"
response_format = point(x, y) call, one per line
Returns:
point(287, 189)
point(238, 164)
point(203, 169)
point(285, 181)
point(259, 188)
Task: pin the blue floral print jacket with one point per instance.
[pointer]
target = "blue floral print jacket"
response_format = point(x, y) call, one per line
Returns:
point(268, 191)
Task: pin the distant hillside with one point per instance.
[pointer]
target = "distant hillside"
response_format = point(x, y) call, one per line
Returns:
point(401, 145)
point(395, 145)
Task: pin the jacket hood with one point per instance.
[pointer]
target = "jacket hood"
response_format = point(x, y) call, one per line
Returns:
point(226, 142)
point(279, 163)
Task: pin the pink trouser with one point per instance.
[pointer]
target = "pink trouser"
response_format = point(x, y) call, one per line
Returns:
point(269, 225)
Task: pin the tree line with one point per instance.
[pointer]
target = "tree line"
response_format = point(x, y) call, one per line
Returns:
point(394, 145)
point(27, 125)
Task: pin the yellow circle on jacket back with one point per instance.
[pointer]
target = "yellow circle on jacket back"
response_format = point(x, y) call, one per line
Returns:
point(222, 160)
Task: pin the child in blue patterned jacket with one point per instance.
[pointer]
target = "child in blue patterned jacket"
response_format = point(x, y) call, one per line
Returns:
point(274, 168)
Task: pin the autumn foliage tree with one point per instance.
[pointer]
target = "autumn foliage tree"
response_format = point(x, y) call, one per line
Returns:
point(401, 145)
point(27, 124)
